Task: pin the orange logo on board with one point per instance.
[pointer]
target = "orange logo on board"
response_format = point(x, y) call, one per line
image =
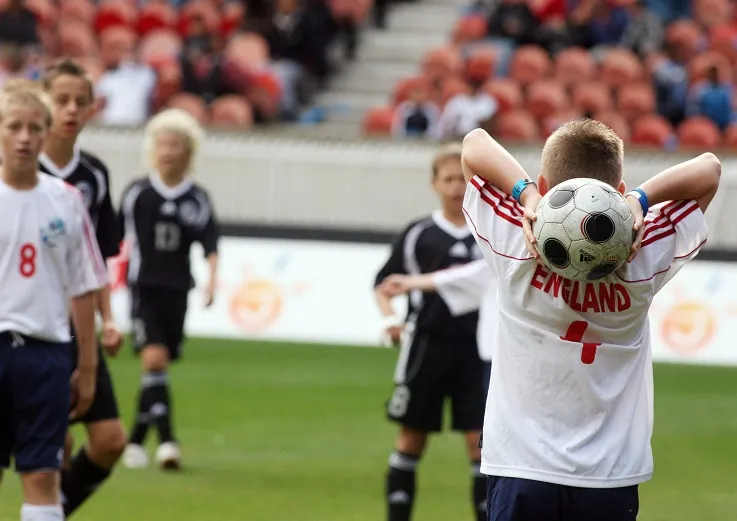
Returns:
point(689, 326)
point(256, 304)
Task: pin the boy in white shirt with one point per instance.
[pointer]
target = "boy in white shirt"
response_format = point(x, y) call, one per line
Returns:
point(569, 414)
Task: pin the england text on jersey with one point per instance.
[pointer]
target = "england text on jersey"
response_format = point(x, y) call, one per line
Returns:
point(594, 297)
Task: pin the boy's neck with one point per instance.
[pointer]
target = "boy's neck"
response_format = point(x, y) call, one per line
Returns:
point(455, 217)
point(59, 151)
point(19, 179)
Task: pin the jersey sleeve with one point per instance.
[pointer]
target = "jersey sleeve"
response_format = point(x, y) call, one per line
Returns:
point(462, 288)
point(674, 234)
point(87, 270)
point(108, 229)
point(395, 263)
point(209, 234)
point(495, 219)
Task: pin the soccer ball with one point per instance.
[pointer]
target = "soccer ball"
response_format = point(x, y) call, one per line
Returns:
point(583, 229)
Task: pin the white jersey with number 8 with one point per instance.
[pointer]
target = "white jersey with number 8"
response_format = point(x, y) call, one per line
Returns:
point(571, 395)
point(48, 255)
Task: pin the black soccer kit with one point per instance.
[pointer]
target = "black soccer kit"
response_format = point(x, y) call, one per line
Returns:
point(160, 223)
point(90, 176)
point(438, 357)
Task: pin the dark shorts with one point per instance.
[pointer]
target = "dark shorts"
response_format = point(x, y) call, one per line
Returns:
point(514, 499)
point(34, 402)
point(105, 406)
point(428, 371)
point(157, 317)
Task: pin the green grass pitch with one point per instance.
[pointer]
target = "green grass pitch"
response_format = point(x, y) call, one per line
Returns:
point(276, 432)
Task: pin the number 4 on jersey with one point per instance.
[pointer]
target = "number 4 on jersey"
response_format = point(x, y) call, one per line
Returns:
point(575, 334)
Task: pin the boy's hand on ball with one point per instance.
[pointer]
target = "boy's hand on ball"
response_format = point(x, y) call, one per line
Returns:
point(638, 228)
point(530, 199)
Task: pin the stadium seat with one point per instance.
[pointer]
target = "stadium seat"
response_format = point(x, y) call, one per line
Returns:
point(635, 99)
point(653, 130)
point(730, 137)
point(616, 122)
point(699, 132)
point(378, 121)
point(551, 123)
point(203, 9)
point(529, 64)
point(82, 10)
point(506, 91)
point(168, 82)
point(231, 111)
point(45, 11)
point(723, 40)
point(545, 98)
point(233, 14)
point(405, 86)
point(574, 65)
point(441, 63)
point(75, 39)
point(248, 50)
point(517, 125)
point(264, 93)
point(591, 97)
point(159, 46)
point(620, 67)
point(469, 29)
point(112, 13)
point(698, 67)
point(156, 15)
point(481, 63)
point(192, 104)
point(708, 13)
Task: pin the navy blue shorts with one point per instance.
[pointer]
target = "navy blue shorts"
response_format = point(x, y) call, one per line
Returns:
point(34, 402)
point(514, 499)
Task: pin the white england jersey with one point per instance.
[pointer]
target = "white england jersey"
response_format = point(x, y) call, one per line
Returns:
point(571, 395)
point(468, 288)
point(48, 255)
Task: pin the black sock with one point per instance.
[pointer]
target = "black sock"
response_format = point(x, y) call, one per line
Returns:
point(478, 491)
point(400, 486)
point(160, 411)
point(145, 401)
point(80, 481)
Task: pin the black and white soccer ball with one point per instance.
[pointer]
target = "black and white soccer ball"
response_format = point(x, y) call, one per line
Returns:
point(583, 229)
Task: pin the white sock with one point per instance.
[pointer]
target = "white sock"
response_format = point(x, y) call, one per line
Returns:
point(41, 513)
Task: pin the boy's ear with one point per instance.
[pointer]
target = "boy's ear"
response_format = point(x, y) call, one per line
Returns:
point(542, 184)
point(622, 187)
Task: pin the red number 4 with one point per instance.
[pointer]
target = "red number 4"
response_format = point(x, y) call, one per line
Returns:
point(27, 260)
point(575, 334)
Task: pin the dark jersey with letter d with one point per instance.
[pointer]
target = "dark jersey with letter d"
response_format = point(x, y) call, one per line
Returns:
point(425, 246)
point(160, 223)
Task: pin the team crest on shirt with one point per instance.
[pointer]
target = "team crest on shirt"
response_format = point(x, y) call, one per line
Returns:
point(51, 233)
point(188, 212)
point(86, 189)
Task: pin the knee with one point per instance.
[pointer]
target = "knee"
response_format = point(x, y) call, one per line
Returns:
point(154, 358)
point(41, 488)
point(411, 441)
point(107, 444)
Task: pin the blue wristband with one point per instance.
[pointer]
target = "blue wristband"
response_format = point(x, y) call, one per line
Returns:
point(644, 203)
point(519, 187)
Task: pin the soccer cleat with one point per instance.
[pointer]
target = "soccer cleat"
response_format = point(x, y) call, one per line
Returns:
point(134, 457)
point(168, 456)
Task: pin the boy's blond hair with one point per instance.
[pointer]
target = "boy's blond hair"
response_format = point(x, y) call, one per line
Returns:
point(583, 148)
point(173, 120)
point(24, 93)
point(446, 152)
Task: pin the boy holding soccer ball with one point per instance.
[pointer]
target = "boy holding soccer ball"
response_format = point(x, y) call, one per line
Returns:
point(570, 410)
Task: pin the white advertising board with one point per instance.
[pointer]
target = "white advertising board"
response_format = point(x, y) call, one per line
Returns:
point(309, 291)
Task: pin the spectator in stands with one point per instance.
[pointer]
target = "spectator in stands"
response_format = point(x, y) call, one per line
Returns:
point(201, 63)
point(416, 117)
point(13, 64)
point(670, 10)
point(467, 111)
point(608, 24)
point(18, 25)
point(126, 88)
point(644, 34)
point(671, 84)
point(513, 20)
point(712, 99)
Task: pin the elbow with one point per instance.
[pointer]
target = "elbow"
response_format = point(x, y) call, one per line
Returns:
point(713, 168)
point(475, 135)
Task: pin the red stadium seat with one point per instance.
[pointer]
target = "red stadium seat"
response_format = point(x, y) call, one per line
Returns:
point(545, 98)
point(202, 9)
point(75, 39)
point(699, 66)
point(247, 50)
point(574, 65)
point(652, 130)
point(45, 11)
point(233, 14)
point(591, 97)
point(378, 121)
point(264, 93)
point(507, 93)
point(699, 132)
point(620, 67)
point(194, 105)
point(551, 123)
point(441, 63)
point(82, 10)
point(635, 100)
point(159, 47)
point(517, 125)
point(708, 13)
point(112, 13)
point(169, 82)
point(231, 111)
point(480, 64)
point(730, 137)
point(529, 64)
point(469, 29)
point(156, 15)
point(723, 40)
point(616, 122)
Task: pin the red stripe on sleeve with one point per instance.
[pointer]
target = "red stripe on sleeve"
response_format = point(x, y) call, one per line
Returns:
point(476, 231)
point(513, 219)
